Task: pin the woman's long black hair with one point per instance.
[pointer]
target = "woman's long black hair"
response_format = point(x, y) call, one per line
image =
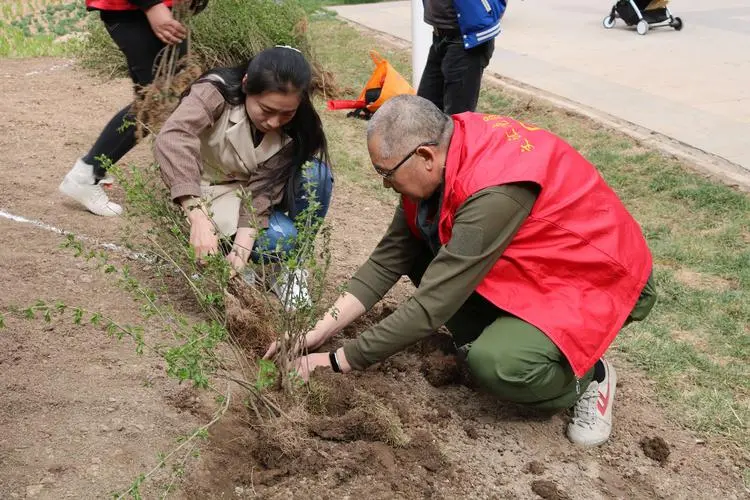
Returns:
point(279, 69)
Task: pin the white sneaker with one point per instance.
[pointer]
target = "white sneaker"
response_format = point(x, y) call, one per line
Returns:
point(292, 289)
point(592, 414)
point(81, 185)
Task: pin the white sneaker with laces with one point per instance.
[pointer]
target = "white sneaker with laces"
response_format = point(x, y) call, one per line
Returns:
point(592, 414)
point(81, 185)
point(292, 289)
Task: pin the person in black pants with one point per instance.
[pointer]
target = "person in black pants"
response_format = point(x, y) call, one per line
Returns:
point(453, 73)
point(141, 29)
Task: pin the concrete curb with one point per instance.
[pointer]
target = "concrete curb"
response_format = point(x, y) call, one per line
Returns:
point(701, 162)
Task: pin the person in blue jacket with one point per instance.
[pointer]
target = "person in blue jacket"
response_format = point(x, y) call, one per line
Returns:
point(463, 41)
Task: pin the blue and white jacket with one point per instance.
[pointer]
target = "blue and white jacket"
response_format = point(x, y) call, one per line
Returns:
point(479, 20)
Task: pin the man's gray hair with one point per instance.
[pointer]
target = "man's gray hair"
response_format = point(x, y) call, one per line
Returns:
point(405, 121)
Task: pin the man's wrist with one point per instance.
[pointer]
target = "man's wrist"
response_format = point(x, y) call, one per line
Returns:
point(344, 365)
point(334, 362)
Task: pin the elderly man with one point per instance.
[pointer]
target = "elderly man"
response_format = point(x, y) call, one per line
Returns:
point(515, 243)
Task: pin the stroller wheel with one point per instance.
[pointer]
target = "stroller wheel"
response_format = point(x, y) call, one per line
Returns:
point(609, 22)
point(676, 24)
point(642, 27)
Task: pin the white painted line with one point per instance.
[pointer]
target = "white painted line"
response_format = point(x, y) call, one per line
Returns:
point(108, 246)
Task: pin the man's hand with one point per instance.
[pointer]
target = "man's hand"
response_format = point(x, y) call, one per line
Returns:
point(203, 236)
point(311, 341)
point(164, 25)
point(307, 364)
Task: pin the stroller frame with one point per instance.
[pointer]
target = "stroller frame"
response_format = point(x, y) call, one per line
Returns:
point(642, 25)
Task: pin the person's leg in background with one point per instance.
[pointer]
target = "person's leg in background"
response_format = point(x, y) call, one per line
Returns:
point(462, 75)
point(133, 35)
point(431, 83)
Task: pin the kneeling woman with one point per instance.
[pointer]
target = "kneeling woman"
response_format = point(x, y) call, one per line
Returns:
point(246, 133)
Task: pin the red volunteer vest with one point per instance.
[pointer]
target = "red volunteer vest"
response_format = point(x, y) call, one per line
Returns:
point(578, 264)
point(116, 4)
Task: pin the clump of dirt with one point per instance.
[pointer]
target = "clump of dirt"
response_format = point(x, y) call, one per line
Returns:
point(283, 444)
point(424, 451)
point(251, 318)
point(535, 468)
point(443, 412)
point(404, 411)
point(330, 394)
point(548, 490)
point(185, 399)
point(370, 420)
point(441, 370)
point(440, 341)
point(655, 448)
point(471, 430)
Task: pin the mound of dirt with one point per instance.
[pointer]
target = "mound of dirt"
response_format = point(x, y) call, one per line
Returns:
point(535, 468)
point(330, 393)
point(655, 448)
point(548, 490)
point(441, 370)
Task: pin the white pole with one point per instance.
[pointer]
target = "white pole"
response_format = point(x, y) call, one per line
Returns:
point(421, 39)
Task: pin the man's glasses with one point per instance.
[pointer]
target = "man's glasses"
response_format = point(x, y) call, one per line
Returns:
point(387, 174)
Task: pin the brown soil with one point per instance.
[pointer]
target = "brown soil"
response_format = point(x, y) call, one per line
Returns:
point(534, 467)
point(548, 490)
point(655, 448)
point(82, 415)
point(700, 281)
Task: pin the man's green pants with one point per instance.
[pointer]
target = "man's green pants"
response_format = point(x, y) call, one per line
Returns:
point(516, 361)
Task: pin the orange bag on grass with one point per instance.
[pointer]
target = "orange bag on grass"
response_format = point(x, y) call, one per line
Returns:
point(384, 83)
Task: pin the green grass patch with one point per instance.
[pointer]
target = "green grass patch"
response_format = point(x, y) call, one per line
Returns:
point(14, 43)
point(696, 343)
point(33, 28)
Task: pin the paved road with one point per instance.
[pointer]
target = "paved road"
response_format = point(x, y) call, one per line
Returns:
point(692, 85)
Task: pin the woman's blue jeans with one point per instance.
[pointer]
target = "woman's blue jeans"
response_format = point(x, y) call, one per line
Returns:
point(281, 235)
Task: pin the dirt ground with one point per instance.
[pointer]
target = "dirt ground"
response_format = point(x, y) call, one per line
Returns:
point(81, 415)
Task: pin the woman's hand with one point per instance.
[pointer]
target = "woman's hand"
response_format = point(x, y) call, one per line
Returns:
point(244, 240)
point(203, 236)
point(164, 25)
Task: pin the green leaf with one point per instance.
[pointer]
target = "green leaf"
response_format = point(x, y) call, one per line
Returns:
point(29, 313)
point(96, 318)
point(2, 321)
point(77, 315)
point(47, 315)
point(266, 374)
